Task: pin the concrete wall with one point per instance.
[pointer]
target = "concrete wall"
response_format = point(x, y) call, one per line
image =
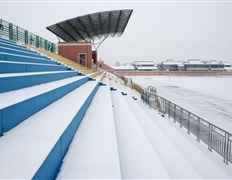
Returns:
point(174, 73)
point(71, 50)
point(102, 65)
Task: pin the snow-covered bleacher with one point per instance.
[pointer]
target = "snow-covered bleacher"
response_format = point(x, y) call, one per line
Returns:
point(56, 122)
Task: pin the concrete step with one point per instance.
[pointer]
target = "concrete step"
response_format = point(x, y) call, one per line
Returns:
point(16, 67)
point(26, 52)
point(18, 105)
point(175, 147)
point(167, 152)
point(35, 148)
point(7, 41)
point(15, 81)
point(93, 153)
point(11, 45)
point(26, 58)
point(138, 160)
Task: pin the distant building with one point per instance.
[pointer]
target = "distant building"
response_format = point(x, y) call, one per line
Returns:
point(172, 65)
point(215, 65)
point(227, 66)
point(123, 68)
point(145, 66)
point(196, 65)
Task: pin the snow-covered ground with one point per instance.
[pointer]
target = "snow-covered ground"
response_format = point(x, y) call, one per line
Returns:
point(208, 97)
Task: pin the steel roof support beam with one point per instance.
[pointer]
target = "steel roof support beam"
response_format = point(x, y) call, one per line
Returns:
point(100, 23)
point(66, 32)
point(127, 20)
point(57, 34)
point(116, 30)
point(77, 31)
point(109, 23)
point(86, 31)
point(90, 19)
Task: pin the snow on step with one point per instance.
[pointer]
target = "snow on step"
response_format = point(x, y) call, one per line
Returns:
point(24, 148)
point(13, 97)
point(207, 164)
point(30, 63)
point(201, 163)
point(166, 151)
point(93, 153)
point(30, 73)
point(137, 156)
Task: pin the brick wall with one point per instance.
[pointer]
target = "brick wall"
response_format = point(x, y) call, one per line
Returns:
point(71, 50)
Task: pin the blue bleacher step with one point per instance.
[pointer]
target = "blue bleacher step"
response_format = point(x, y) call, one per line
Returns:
point(16, 67)
point(26, 52)
point(10, 45)
point(16, 106)
point(22, 58)
point(14, 81)
point(35, 148)
point(8, 41)
point(138, 160)
point(93, 153)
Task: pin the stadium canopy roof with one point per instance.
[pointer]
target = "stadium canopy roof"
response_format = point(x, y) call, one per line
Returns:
point(92, 27)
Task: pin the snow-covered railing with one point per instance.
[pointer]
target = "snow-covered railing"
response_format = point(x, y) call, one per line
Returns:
point(216, 138)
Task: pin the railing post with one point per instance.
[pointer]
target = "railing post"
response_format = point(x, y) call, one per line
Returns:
point(169, 107)
point(188, 123)
point(41, 43)
point(37, 42)
point(165, 106)
point(17, 34)
point(174, 116)
point(226, 148)
point(181, 113)
point(198, 129)
point(142, 95)
point(210, 137)
point(52, 47)
point(46, 45)
point(11, 31)
point(26, 37)
point(148, 100)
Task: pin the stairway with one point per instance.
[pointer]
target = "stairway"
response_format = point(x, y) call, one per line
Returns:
point(42, 103)
point(180, 154)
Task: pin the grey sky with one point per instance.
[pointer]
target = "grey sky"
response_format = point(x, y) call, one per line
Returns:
point(156, 31)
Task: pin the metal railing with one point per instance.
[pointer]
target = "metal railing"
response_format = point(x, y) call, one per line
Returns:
point(216, 138)
point(15, 33)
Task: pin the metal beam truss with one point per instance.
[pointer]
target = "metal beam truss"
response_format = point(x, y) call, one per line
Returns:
point(93, 28)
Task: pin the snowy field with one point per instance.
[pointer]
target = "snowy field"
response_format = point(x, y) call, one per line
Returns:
point(208, 97)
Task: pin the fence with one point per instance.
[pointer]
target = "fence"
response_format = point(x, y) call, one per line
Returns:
point(216, 138)
point(15, 33)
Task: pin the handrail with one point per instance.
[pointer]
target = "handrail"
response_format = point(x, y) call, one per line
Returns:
point(12, 32)
point(215, 137)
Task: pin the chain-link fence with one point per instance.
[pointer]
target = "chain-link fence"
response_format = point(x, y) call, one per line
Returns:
point(216, 138)
point(15, 33)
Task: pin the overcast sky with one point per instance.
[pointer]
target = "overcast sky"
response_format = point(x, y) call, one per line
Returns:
point(157, 30)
